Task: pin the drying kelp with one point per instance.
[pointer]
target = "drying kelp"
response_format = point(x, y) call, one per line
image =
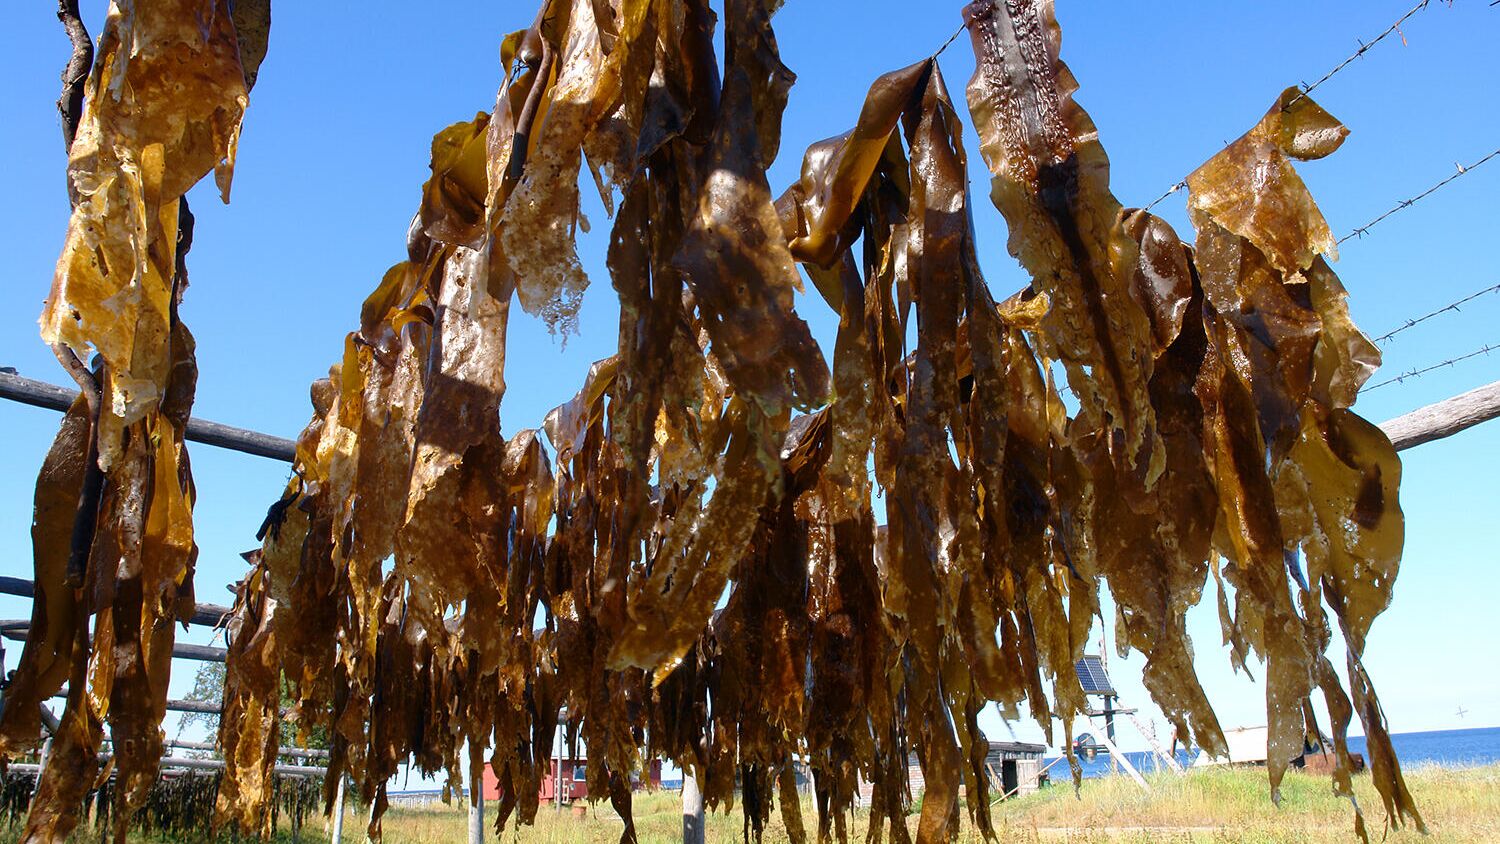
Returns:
point(686, 560)
point(149, 131)
point(975, 547)
point(113, 534)
point(1296, 470)
point(177, 805)
point(706, 569)
point(1051, 181)
point(1255, 365)
point(250, 722)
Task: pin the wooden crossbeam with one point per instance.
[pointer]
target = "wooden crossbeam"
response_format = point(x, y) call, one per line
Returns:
point(1444, 418)
point(203, 707)
point(41, 394)
point(180, 650)
point(206, 615)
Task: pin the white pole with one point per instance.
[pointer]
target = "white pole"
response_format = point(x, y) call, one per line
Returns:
point(476, 807)
point(338, 814)
point(1117, 756)
point(557, 778)
point(692, 810)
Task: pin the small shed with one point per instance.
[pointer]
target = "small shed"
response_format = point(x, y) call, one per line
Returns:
point(574, 779)
point(1015, 767)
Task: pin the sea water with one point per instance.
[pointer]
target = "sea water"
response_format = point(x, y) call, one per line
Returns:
point(1448, 748)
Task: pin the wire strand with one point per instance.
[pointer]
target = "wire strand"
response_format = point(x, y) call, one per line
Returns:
point(1417, 373)
point(1452, 306)
point(950, 40)
point(1407, 203)
point(1363, 48)
point(1308, 89)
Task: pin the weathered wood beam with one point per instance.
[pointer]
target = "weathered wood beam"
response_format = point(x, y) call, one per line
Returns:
point(295, 752)
point(196, 764)
point(18, 632)
point(41, 394)
point(1444, 418)
point(206, 615)
point(203, 707)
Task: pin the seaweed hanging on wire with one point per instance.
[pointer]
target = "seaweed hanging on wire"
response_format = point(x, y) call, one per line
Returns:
point(687, 557)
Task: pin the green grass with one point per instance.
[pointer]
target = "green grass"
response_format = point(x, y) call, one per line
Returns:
point(1216, 805)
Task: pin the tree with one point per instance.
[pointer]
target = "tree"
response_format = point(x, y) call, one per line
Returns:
point(208, 687)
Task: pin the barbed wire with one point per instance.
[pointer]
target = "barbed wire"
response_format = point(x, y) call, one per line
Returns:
point(1307, 89)
point(1452, 306)
point(950, 40)
point(1407, 203)
point(1417, 373)
point(1363, 48)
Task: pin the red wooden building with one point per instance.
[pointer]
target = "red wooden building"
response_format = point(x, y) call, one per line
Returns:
point(574, 785)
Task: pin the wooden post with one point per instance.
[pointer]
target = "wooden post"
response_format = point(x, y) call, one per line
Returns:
point(692, 810)
point(1445, 418)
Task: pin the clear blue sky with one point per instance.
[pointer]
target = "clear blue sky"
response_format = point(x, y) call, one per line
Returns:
point(335, 149)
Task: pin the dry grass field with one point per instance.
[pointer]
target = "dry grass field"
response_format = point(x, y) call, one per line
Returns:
point(1220, 806)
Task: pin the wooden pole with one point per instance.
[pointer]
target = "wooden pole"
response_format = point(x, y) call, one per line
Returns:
point(692, 810)
point(1116, 756)
point(194, 765)
point(1445, 418)
point(49, 720)
point(205, 707)
point(294, 752)
point(180, 650)
point(1434, 422)
point(205, 615)
point(41, 394)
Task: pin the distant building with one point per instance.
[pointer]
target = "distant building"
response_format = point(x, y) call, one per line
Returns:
point(1014, 768)
point(574, 779)
point(1248, 746)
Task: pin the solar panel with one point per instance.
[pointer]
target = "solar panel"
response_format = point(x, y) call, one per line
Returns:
point(1092, 675)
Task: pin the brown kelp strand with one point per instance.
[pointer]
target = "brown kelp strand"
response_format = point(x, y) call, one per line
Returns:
point(159, 108)
point(729, 550)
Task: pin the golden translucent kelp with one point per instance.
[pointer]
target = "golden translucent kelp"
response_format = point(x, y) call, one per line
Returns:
point(149, 131)
point(113, 538)
point(686, 560)
point(1295, 469)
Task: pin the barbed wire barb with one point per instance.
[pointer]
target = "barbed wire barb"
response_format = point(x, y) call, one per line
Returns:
point(1451, 306)
point(1407, 203)
point(1417, 373)
point(1308, 89)
point(1358, 54)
